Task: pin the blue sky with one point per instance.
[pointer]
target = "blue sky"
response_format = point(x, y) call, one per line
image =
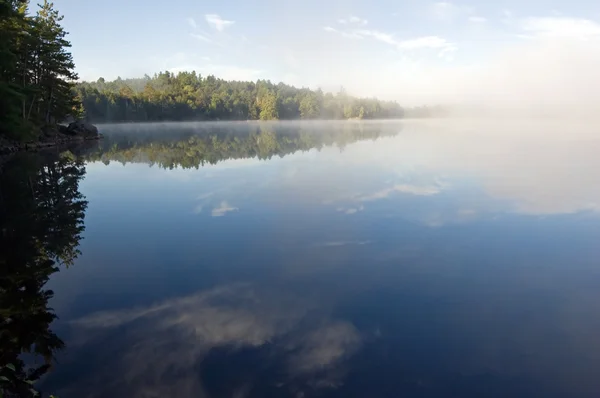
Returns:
point(361, 45)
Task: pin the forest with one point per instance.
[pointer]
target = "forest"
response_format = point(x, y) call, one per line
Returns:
point(36, 70)
point(39, 88)
point(191, 96)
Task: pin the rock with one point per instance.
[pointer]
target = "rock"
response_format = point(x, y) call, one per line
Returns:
point(82, 128)
point(63, 129)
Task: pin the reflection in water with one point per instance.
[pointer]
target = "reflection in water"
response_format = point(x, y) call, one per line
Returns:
point(183, 340)
point(209, 143)
point(412, 264)
point(41, 223)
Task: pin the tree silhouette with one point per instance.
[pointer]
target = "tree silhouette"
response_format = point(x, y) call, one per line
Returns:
point(41, 221)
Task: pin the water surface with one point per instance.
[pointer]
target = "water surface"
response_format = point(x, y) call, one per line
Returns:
point(348, 259)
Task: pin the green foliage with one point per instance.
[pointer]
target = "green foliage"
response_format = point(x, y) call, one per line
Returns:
point(41, 222)
point(36, 69)
point(189, 96)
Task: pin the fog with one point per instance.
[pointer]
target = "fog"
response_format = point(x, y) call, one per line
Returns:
point(536, 77)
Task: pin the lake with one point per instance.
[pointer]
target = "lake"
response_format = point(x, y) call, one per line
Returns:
point(318, 259)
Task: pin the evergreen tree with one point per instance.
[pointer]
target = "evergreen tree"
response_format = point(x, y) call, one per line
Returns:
point(36, 69)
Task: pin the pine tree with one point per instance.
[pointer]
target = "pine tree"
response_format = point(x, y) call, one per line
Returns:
point(56, 75)
point(36, 69)
point(12, 24)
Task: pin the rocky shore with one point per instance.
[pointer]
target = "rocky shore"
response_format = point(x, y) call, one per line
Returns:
point(75, 132)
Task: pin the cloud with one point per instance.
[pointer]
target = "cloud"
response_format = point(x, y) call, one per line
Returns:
point(348, 35)
point(477, 19)
point(192, 23)
point(377, 35)
point(197, 209)
point(425, 42)
point(217, 22)
point(223, 209)
point(444, 11)
point(353, 20)
point(561, 27)
point(201, 37)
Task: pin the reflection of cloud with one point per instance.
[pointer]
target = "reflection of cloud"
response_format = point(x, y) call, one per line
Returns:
point(205, 195)
point(324, 347)
point(343, 243)
point(168, 340)
point(351, 210)
point(197, 209)
point(223, 209)
point(531, 166)
point(404, 188)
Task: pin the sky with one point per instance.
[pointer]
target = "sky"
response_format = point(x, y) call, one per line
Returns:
point(414, 51)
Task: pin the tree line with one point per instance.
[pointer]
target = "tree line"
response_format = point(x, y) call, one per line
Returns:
point(190, 96)
point(36, 70)
point(198, 145)
point(38, 87)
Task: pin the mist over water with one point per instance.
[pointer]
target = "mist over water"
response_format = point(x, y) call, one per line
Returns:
point(535, 77)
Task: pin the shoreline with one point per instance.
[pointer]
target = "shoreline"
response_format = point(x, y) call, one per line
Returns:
point(76, 132)
point(12, 146)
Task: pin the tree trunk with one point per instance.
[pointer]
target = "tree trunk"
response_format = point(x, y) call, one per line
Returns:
point(49, 106)
point(30, 108)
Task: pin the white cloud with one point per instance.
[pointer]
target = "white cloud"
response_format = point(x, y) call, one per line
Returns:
point(348, 35)
point(223, 209)
point(217, 22)
point(445, 11)
point(561, 27)
point(353, 20)
point(192, 23)
point(425, 42)
point(507, 17)
point(201, 37)
point(197, 209)
point(477, 19)
point(381, 36)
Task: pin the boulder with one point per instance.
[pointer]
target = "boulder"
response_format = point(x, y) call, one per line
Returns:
point(64, 129)
point(82, 128)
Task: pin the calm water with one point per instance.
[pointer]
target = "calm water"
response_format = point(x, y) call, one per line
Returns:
point(331, 260)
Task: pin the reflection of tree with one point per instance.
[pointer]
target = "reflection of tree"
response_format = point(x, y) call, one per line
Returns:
point(195, 147)
point(41, 221)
